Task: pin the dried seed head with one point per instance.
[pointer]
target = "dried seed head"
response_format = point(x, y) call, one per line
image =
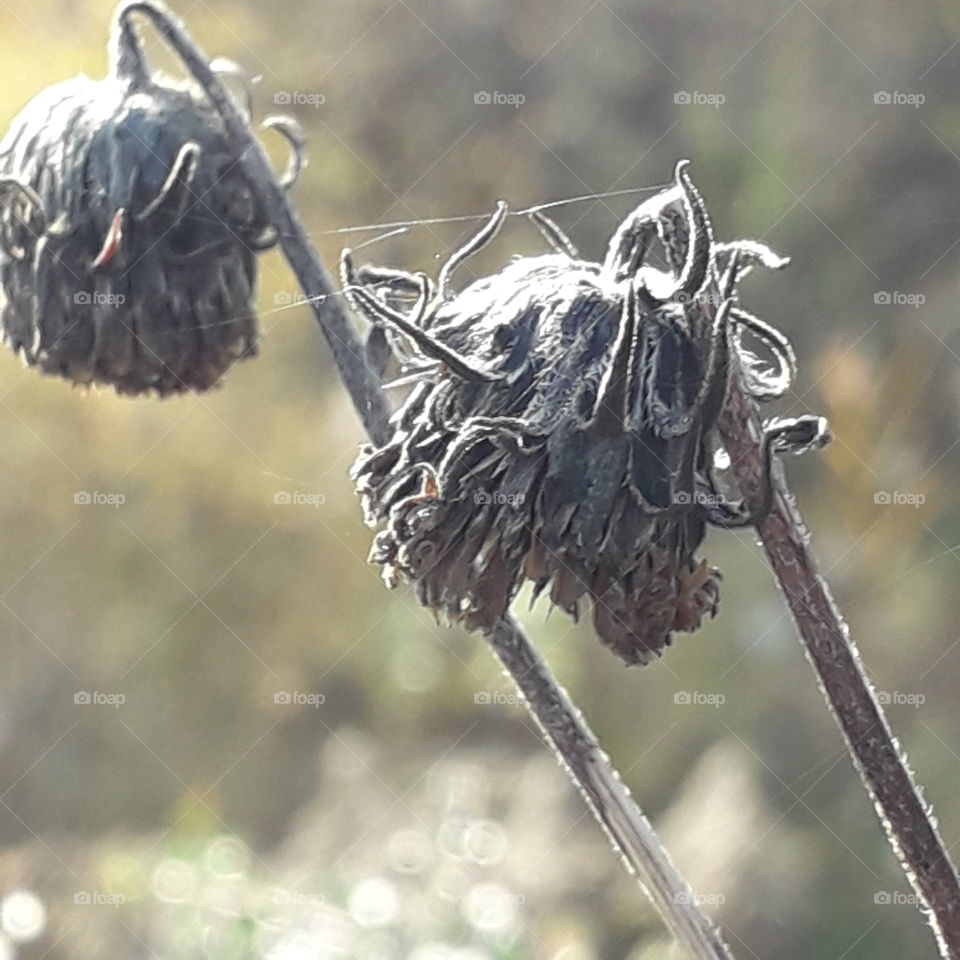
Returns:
point(585, 463)
point(128, 233)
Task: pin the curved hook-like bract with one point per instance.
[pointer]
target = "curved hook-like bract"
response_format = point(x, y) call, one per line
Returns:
point(368, 305)
point(700, 238)
point(611, 409)
point(293, 133)
point(552, 233)
point(476, 243)
point(175, 192)
point(630, 244)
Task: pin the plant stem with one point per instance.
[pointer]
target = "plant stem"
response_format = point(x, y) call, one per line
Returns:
point(348, 353)
point(562, 724)
point(906, 819)
point(605, 794)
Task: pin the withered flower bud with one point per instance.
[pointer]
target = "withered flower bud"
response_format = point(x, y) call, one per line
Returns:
point(128, 233)
point(563, 429)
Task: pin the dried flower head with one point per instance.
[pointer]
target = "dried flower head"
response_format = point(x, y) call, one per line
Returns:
point(128, 233)
point(562, 425)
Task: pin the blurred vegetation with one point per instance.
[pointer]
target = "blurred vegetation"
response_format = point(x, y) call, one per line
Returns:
point(403, 816)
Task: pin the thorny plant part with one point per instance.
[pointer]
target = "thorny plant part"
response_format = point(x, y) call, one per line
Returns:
point(562, 426)
point(129, 231)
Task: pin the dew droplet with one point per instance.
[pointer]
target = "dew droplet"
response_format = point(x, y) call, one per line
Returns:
point(373, 902)
point(174, 881)
point(485, 842)
point(23, 917)
point(409, 851)
point(490, 907)
point(227, 857)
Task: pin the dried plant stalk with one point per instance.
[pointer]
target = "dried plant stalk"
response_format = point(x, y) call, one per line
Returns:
point(605, 793)
point(906, 818)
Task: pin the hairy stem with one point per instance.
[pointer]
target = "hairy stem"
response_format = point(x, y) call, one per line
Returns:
point(906, 819)
point(562, 724)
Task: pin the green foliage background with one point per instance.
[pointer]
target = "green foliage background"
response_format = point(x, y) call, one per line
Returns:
point(402, 817)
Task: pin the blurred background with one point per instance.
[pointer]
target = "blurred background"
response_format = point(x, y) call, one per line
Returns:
point(221, 737)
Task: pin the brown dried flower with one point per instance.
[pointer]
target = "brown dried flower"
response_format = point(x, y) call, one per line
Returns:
point(562, 428)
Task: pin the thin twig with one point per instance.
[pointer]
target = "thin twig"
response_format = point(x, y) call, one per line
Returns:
point(907, 820)
point(588, 766)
